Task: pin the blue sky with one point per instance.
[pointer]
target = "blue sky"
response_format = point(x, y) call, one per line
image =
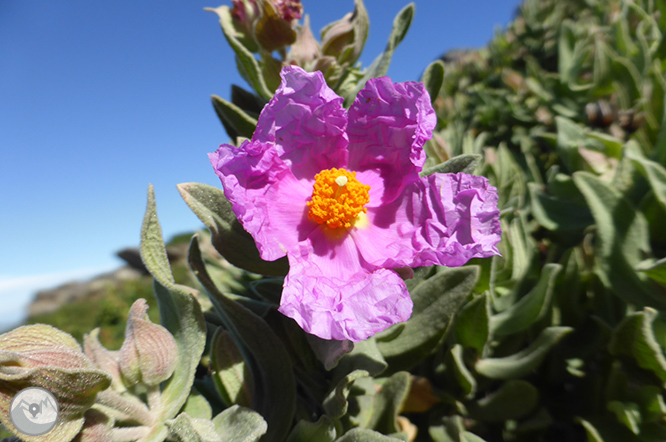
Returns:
point(100, 98)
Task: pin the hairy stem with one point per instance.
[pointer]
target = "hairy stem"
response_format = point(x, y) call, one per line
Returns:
point(134, 410)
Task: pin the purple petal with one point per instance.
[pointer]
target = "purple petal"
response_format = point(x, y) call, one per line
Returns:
point(306, 121)
point(384, 235)
point(354, 307)
point(459, 220)
point(388, 125)
point(266, 198)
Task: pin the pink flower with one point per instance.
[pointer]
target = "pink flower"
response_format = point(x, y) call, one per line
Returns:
point(339, 194)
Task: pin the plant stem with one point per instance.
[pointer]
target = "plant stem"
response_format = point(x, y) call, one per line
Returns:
point(134, 410)
point(128, 434)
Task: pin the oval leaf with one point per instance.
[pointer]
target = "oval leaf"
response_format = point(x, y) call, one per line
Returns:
point(436, 301)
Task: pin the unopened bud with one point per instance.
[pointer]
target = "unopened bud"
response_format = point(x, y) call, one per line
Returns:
point(271, 30)
point(43, 356)
point(306, 49)
point(149, 353)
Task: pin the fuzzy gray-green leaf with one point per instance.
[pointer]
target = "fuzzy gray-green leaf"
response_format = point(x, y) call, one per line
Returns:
point(472, 325)
point(523, 362)
point(181, 314)
point(436, 302)
point(380, 66)
point(465, 163)
point(363, 435)
point(229, 238)
point(246, 61)
point(239, 424)
point(635, 337)
point(513, 400)
point(153, 252)
point(388, 402)
point(321, 431)
point(433, 78)
point(335, 403)
point(235, 121)
point(530, 308)
point(266, 354)
point(623, 240)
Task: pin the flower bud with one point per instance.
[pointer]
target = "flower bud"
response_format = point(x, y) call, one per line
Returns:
point(149, 353)
point(306, 49)
point(105, 359)
point(345, 38)
point(244, 12)
point(289, 10)
point(272, 31)
point(43, 356)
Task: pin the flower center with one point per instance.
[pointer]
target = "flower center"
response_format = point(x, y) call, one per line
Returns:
point(337, 198)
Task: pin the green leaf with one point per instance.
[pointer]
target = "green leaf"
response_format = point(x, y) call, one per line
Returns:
point(570, 137)
point(654, 269)
point(180, 313)
point(628, 414)
point(472, 328)
point(321, 431)
point(558, 215)
point(229, 238)
point(363, 435)
point(436, 302)
point(265, 353)
point(250, 103)
point(235, 121)
point(335, 403)
point(465, 163)
point(470, 437)
point(622, 242)
point(465, 378)
point(531, 307)
point(380, 66)
point(197, 406)
point(388, 402)
point(248, 65)
point(513, 400)
point(364, 356)
point(153, 252)
point(635, 337)
point(230, 371)
point(433, 78)
point(187, 429)
point(565, 48)
point(239, 424)
point(654, 172)
point(523, 362)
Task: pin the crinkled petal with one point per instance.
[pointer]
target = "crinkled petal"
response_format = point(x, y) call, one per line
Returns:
point(384, 234)
point(267, 199)
point(355, 307)
point(458, 220)
point(388, 126)
point(306, 121)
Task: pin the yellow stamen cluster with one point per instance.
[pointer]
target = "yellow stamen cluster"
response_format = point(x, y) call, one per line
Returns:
point(337, 198)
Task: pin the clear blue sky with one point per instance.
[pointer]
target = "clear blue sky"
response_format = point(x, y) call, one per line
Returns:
point(100, 98)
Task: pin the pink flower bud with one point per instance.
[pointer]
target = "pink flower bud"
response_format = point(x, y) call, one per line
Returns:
point(149, 353)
